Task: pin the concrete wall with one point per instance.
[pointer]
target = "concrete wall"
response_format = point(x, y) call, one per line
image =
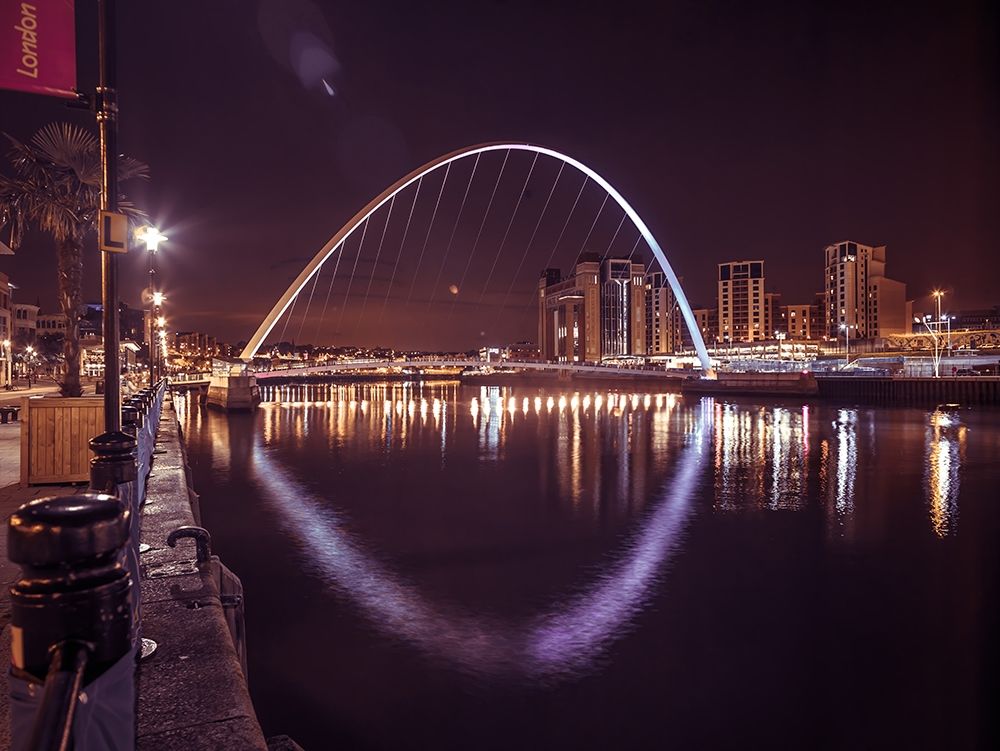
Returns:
point(192, 691)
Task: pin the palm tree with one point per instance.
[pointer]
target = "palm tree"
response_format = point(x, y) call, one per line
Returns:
point(56, 187)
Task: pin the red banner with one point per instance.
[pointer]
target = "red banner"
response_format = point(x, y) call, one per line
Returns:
point(38, 47)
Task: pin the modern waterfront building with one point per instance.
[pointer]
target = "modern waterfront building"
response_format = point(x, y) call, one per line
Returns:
point(774, 315)
point(663, 316)
point(623, 308)
point(817, 316)
point(598, 311)
point(859, 296)
point(707, 320)
point(741, 302)
point(797, 320)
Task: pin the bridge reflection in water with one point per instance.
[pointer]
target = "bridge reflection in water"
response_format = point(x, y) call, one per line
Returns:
point(491, 552)
point(554, 644)
point(760, 456)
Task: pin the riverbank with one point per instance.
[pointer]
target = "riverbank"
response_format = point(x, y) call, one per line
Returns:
point(192, 692)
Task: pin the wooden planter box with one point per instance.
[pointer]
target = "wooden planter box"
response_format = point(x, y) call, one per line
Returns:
point(55, 438)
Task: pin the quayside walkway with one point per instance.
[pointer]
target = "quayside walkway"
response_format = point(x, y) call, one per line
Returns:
point(192, 690)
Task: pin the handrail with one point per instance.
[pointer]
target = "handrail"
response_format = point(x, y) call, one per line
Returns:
point(52, 730)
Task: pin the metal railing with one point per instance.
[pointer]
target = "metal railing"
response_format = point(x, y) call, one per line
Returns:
point(75, 606)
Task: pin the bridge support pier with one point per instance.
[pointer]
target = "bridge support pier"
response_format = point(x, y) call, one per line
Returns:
point(233, 393)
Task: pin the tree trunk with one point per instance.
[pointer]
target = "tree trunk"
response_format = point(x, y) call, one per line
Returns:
point(70, 267)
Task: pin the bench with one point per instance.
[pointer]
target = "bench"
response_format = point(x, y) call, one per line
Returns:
point(8, 413)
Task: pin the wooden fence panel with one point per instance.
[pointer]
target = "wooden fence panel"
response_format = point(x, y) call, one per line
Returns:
point(55, 438)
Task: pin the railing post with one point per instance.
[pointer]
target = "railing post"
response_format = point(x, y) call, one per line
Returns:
point(72, 679)
point(113, 470)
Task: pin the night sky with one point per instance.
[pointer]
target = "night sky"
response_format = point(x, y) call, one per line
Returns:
point(736, 130)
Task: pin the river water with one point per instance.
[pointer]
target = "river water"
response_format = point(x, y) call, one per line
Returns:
point(438, 565)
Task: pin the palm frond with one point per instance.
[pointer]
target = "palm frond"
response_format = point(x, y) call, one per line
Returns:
point(129, 167)
point(57, 181)
point(66, 145)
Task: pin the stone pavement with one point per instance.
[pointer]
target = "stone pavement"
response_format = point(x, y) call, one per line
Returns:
point(192, 693)
point(39, 389)
point(12, 495)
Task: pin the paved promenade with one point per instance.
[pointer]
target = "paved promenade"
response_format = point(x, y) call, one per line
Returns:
point(192, 691)
point(12, 495)
point(38, 389)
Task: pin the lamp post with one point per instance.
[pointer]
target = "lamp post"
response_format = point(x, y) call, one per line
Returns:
point(152, 237)
point(847, 340)
point(7, 365)
point(934, 336)
point(161, 343)
point(30, 351)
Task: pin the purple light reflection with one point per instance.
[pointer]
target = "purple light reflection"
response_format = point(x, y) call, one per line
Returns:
point(555, 645)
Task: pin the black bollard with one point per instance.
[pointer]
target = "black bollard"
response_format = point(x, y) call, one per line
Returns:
point(131, 422)
point(136, 403)
point(71, 617)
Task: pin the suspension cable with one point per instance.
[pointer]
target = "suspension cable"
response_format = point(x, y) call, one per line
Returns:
point(326, 303)
point(305, 313)
point(451, 239)
point(288, 317)
point(613, 237)
point(479, 234)
point(562, 232)
point(350, 281)
point(513, 215)
point(402, 242)
point(587, 238)
point(531, 241)
point(427, 237)
point(371, 277)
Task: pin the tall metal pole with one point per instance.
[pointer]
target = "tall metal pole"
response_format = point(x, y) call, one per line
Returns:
point(107, 122)
point(114, 463)
point(152, 316)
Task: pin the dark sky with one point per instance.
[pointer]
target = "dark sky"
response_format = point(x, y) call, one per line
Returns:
point(737, 130)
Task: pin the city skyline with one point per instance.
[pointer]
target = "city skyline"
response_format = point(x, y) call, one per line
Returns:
point(803, 179)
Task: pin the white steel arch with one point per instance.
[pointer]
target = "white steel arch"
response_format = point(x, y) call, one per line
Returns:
point(327, 250)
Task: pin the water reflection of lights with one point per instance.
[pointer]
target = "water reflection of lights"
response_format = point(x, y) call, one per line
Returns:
point(752, 443)
point(559, 643)
point(847, 459)
point(348, 412)
point(944, 452)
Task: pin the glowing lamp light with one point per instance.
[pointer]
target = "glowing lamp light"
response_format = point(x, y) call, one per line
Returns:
point(158, 298)
point(151, 236)
point(161, 322)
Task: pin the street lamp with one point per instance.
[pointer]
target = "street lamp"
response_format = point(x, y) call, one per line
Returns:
point(780, 336)
point(152, 237)
point(847, 339)
point(934, 336)
point(7, 365)
point(31, 362)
